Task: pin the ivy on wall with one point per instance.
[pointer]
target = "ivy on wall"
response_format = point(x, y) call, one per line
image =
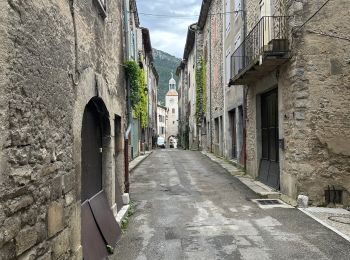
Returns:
point(201, 89)
point(138, 95)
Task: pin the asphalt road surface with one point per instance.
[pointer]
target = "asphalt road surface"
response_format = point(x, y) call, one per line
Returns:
point(189, 207)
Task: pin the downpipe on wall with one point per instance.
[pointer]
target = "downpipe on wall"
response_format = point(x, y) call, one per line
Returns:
point(127, 132)
point(245, 92)
point(210, 98)
point(126, 159)
point(76, 74)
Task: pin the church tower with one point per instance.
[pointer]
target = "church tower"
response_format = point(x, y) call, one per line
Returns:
point(172, 105)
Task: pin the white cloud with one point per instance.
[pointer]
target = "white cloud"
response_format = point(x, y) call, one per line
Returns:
point(168, 33)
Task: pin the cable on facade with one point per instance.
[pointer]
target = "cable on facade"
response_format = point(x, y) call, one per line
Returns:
point(312, 16)
point(329, 35)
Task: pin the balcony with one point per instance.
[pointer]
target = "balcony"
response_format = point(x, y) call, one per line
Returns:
point(262, 51)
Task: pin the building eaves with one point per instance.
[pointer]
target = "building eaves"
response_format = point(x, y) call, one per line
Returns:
point(147, 43)
point(133, 8)
point(180, 67)
point(189, 41)
point(204, 13)
point(155, 73)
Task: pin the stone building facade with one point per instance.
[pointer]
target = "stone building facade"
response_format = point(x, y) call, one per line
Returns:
point(233, 99)
point(161, 116)
point(145, 59)
point(135, 51)
point(182, 74)
point(190, 127)
point(211, 23)
point(60, 68)
point(302, 103)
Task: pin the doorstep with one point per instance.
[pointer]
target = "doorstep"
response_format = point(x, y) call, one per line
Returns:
point(257, 187)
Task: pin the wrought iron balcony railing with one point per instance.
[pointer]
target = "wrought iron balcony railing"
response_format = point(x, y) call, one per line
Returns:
point(267, 40)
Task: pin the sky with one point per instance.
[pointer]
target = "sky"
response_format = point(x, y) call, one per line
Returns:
point(168, 33)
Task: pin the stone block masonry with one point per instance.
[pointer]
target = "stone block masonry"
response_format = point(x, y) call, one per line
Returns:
point(314, 101)
point(212, 52)
point(54, 57)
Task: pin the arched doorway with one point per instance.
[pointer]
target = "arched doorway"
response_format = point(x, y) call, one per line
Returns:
point(99, 229)
point(94, 128)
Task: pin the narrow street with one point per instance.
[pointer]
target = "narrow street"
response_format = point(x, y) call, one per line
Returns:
point(188, 207)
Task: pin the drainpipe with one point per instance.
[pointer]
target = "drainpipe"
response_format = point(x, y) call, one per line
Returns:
point(245, 92)
point(210, 99)
point(126, 136)
point(76, 74)
point(223, 80)
point(126, 159)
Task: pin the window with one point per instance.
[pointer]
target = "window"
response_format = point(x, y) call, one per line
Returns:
point(238, 7)
point(173, 110)
point(216, 124)
point(228, 16)
point(228, 65)
point(238, 61)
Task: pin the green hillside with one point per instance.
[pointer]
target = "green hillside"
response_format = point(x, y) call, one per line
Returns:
point(165, 64)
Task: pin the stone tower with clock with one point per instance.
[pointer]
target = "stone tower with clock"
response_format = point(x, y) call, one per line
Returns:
point(172, 105)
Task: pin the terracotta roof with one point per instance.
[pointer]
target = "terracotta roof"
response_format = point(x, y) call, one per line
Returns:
point(172, 92)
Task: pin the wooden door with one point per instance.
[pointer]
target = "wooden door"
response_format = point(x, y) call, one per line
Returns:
point(234, 134)
point(269, 164)
point(91, 139)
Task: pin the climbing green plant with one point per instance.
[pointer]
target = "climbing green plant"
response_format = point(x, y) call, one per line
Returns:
point(201, 89)
point(138, 96)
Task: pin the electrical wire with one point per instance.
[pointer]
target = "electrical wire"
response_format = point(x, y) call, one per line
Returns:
point(329, 35)
point(312, 16)
point(184, 16)
point(170, 16)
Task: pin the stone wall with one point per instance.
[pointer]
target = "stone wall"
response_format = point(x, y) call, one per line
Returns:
point(54, 58)
point(317, 102)
point(233, 97)
point(213, 50)
point(314, 101)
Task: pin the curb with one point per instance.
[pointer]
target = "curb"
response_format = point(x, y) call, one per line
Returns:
point(257, 187)
point(121, 214)
point(139, 159)
point(325, 224)
point(264, 191)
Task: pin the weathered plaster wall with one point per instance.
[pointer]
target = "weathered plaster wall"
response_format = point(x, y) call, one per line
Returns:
point(41, 114)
